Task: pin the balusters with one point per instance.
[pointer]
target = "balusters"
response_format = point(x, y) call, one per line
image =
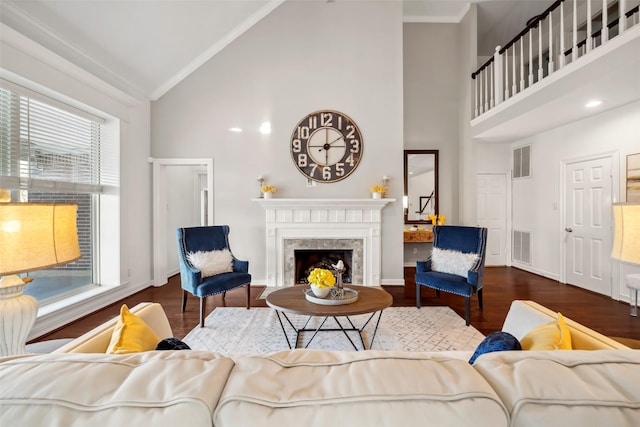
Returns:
point(622, 22)
point(587, 39)
point(604, 33)
point(498, 82)
point(540, 70)
point(521, 64)
point(486, 95)
point(551, 42)
point(506, 74)
point(561, 58)
point(574, 31)
point(491, 85)
point(514, 88)
point(475, 92)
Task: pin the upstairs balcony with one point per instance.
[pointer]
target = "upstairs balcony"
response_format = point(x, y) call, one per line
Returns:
point(564, 58)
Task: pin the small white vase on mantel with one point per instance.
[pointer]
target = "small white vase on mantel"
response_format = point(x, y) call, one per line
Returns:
point(267, 195)
point(376, 195)
point(320, 292)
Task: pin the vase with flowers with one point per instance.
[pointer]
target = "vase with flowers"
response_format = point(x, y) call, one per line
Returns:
point(377, 191)
point(267, 191)
point(437, 219)
point(321, 282)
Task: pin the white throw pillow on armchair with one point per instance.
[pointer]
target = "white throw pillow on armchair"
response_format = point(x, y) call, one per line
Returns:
point(452, 262)
point(211, 263)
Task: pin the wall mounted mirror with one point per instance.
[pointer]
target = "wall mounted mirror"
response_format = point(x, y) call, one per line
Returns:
point(420, 185)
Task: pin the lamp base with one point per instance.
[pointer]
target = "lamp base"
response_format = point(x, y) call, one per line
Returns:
point(18, 313)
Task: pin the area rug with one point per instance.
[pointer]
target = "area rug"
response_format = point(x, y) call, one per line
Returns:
point(238, 331)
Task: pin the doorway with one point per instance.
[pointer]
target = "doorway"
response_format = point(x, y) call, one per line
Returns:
point(492, 214)
point(588, 189)
point(165, 182)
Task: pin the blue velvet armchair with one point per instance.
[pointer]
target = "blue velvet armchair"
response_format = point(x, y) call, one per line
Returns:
point(469, 281)
point(208, 238)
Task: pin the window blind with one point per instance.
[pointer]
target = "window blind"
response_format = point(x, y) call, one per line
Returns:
point(44, 147)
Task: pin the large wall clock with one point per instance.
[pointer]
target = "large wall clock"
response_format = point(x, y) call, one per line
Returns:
point(326, 146)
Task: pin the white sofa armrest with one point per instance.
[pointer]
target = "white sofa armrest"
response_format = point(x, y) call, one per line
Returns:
point(97, 340)
point(523, 316)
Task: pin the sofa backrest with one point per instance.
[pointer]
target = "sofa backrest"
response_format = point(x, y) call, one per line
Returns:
point(97, 340)
point(523, 316)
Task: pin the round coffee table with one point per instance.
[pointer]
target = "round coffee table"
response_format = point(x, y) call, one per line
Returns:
point(292, 300)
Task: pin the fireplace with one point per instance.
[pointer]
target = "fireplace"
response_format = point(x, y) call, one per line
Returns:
point(305, 260)
point(323, 224)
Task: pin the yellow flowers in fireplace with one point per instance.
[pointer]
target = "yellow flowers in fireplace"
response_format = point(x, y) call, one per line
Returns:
point(377, 189)
point(268, 189)
point(321, 278)
point(437, 219)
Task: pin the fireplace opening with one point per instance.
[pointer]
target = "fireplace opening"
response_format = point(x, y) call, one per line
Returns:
point(307, 259)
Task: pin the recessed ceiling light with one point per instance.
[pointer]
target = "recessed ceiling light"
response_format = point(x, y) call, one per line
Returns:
point(593, 103)
point(265, 128)
point(235, 129)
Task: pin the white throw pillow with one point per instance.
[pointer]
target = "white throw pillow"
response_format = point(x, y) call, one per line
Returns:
point(453, 262)
point(212, 262)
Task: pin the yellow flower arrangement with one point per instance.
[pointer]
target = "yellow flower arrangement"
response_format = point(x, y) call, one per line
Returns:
point(268, 189)
point(377, 189)
point(437, 219)
point(321, 278)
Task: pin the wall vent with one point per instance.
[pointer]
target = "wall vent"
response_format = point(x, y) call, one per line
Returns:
point(522, 246)
point(522, 162)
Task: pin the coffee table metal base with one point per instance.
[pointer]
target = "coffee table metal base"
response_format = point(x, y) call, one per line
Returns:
point(351, 328)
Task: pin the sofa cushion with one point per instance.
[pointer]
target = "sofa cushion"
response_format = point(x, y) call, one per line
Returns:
point(496, 341)
point(211, 263)
point(559, 388)
point(131, 334)
point(314, 387)
point(157, 388)
point(553, 335)
point(452, 262)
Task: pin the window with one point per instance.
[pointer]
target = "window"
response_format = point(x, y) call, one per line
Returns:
point(522, 162)
point(51, 152)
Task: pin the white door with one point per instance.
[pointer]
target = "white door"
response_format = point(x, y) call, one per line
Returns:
point(492, 214)
point(588, 224)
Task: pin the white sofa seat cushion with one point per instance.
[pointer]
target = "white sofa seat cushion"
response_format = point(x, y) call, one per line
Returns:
point(144, 389)
point(315, 387)
point(560, 388)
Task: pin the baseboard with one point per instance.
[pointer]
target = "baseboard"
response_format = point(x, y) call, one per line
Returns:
point(392, 282)
point(530, 269)
point(56, 315)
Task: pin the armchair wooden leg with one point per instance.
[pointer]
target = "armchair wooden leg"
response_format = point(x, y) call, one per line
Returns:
point(480, 299)
point(248, 295)
point(467, 309)
point(184, 300)
point(418, 295)
point(202, 312)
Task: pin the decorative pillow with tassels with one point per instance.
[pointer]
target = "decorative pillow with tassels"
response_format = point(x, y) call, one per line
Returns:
point(452, 262)
point(211, 263)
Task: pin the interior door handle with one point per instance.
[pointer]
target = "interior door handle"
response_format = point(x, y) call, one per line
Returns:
point(568, 229)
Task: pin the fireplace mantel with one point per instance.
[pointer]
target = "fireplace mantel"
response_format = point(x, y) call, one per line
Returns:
point(287, 220)
point(275, 203)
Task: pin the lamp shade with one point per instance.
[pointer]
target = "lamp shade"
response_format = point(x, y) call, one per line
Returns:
point(626, 241)
point(36, 236)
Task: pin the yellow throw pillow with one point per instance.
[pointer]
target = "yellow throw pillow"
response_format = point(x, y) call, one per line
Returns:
point(554, 335)
point(131, 334)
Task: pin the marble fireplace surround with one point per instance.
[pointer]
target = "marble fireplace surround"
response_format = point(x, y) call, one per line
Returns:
point(319, 223)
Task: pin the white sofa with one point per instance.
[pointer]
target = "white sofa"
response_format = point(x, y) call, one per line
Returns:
point(316, 388)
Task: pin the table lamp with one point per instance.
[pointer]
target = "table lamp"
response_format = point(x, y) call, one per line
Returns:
point(33, 236)
point(626, 244)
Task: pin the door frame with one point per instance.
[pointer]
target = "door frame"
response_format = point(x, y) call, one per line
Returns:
point(159, 195)
point(562, 193)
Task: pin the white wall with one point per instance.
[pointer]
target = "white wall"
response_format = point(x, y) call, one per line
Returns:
point(534, 199)
point(431, 103)
point(303, 57)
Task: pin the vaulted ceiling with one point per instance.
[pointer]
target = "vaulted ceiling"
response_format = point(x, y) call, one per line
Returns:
point(146, 47)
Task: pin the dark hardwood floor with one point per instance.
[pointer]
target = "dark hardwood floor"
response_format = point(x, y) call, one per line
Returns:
point(502, 285)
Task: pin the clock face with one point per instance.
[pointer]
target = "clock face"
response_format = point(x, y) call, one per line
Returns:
point(326, 146)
